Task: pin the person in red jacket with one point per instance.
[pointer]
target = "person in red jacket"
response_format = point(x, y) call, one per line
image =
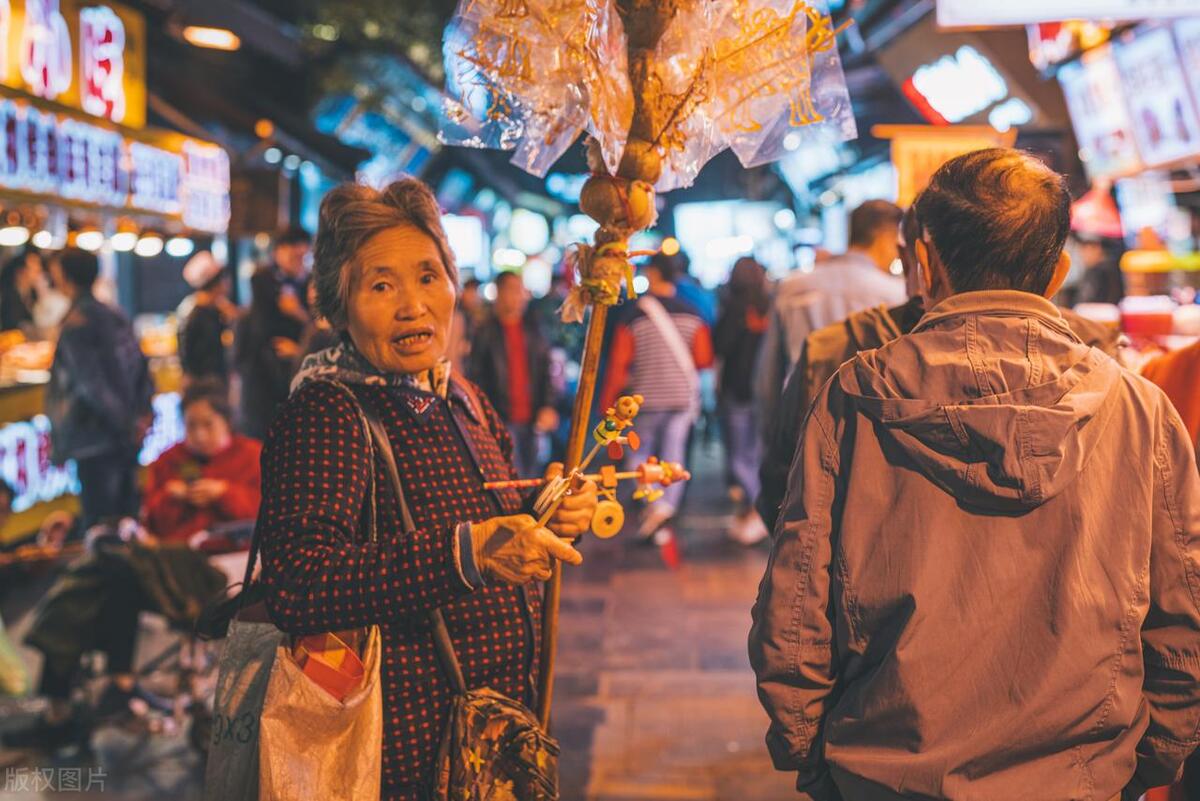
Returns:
point(210, 478)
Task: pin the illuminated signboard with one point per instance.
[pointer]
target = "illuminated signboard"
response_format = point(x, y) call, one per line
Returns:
point(1052, 43)
point(1092, 87)
point(25, 454)
point(1162, 112)
point(88, 55)
point(955, 79)
point(205, 186)
point(961, 85)
point(46, 154)
point(976, 14)
point(1187, 36)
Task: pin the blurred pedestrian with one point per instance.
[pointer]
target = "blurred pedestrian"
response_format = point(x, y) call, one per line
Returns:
point(736, 342)
point(1178, 374)
point(318, 334)
point(659, 346)
point(831, 292)
point(952, 564)
point(205, 335)
point(510, 361)
point(1102, 281)
point(828, 348)
point(98, 398)
point(209, 479)
point(20, 279)
point(266, 345)
point(291, 254)
point(689, 289)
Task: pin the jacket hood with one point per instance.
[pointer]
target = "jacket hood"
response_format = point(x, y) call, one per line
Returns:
point(992, 396)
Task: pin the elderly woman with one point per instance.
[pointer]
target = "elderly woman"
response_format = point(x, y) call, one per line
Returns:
point(386, 281)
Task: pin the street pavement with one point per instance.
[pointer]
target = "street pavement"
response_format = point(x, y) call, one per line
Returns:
point(654, 698)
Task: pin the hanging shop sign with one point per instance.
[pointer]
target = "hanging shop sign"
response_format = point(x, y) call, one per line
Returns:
point(86, 55)
point(205, 190)
point(1092, 87)
point(974, 14)
point(1054, 43)
point(64, 157)
point(1187, 37)
point(1162, 112)
point(919, 150)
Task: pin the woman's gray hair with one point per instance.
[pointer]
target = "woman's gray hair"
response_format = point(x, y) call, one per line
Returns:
point(350, 215)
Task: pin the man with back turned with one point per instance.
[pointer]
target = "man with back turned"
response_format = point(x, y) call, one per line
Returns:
point(985, 579)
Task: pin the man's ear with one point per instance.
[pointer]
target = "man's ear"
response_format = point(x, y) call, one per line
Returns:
point(924, 273)
point(1062, 268)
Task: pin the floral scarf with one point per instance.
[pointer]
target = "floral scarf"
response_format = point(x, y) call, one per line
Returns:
point(344, 363)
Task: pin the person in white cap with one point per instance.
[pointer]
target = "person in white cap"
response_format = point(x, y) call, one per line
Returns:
point(205, 334)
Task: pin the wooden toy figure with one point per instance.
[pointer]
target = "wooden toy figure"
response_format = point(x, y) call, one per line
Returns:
point(655, 474)
point(616, 419)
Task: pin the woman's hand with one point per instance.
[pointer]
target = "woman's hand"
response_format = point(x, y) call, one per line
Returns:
point(176, 489)
point(285, 348)
point(575, 513)
point(514, 550)
point(206, 491)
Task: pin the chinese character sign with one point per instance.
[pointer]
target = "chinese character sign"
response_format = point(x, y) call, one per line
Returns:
point(45, 49)
point(87, 54)
point(102, 63)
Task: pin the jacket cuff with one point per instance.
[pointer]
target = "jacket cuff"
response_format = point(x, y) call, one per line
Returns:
point(464, 558)
point(817, 787)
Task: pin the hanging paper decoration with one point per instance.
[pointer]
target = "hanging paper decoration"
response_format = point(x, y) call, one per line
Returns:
point(664, 84)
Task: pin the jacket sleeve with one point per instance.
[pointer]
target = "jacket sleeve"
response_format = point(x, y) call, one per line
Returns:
point(320, 574)
point(783, 435)
point(770, 370)
point(243, 496)
point(791, 639)
point(1171, 631)
point(92, 385)
point(161, 512)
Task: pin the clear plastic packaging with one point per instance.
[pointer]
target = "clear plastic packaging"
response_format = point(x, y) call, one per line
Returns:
point(760, 77)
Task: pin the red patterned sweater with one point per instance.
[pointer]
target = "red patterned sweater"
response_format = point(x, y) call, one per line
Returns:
point(323, 575)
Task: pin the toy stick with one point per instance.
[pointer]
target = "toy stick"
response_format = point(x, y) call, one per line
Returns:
point(580, 428)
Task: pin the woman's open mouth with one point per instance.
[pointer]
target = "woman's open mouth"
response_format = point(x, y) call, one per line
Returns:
point(413, 340)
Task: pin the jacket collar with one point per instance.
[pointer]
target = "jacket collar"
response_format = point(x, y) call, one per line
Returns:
point(995, 303)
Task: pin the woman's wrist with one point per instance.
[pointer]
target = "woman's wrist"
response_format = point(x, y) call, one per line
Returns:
point(466, 559)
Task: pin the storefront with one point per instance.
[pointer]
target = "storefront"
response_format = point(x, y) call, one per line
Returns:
point(79, 167)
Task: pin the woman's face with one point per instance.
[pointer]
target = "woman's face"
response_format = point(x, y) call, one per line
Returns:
point(401, 301)
point(208, 433)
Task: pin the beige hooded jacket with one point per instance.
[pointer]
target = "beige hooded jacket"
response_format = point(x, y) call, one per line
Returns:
point(985, 581)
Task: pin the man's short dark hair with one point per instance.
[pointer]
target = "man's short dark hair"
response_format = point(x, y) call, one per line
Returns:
point(669, 267)
point(998, 218)
point(79, 267)
point(506, 276)
point(871, 219)
point(295, 235)
point(472, 283)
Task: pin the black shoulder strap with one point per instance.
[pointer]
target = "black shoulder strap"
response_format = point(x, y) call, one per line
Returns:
point(441, 637)
point(368, 434)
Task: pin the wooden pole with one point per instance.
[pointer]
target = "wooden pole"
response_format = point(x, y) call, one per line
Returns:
point(580, 427)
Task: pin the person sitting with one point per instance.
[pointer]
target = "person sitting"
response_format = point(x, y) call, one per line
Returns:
point(210, 478)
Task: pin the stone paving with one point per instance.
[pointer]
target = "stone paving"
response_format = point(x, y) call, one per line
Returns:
point(654, 699)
